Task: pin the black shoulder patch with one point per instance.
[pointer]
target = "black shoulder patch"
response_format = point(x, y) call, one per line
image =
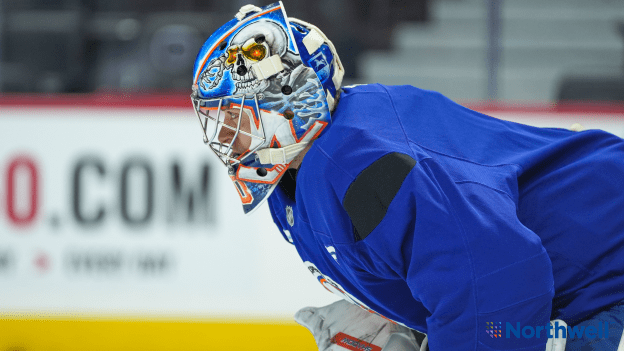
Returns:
point(288, 183)
point(372, 191)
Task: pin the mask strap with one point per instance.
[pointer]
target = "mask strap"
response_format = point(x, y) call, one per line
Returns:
point(268, 67)
point(282, 155)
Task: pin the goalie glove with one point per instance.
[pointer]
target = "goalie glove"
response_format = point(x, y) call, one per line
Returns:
point(343, 326)
point(557, 342)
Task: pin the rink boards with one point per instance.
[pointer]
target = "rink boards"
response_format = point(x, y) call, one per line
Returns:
point(120, 230)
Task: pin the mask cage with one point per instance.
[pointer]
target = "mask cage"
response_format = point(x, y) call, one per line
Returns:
point(213, 123)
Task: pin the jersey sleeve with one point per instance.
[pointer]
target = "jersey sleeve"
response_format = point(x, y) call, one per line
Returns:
point(463, 253)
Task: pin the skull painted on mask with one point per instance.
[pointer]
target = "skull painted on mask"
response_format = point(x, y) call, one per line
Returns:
point(255, 42)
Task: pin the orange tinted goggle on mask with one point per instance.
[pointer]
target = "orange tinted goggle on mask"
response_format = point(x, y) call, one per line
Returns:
point(251, 50)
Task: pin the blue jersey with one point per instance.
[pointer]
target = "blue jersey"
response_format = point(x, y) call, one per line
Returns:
point(446, 220)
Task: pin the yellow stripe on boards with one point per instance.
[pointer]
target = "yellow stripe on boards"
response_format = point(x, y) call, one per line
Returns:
point(65, 334)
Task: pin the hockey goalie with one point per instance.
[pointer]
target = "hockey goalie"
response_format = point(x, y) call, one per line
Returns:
point(426, 217)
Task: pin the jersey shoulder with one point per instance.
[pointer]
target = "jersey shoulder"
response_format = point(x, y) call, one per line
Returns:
point(369, 196)
point(365, 126)
point(353, 189)
point(354, 170)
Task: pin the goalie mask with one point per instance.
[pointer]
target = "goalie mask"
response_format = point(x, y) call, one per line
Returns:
point(263, 88)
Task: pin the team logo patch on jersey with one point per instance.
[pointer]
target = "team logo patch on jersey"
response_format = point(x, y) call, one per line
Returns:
point(290, 216)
